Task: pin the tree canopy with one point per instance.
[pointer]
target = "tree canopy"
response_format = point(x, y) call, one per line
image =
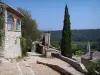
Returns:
point(29, 26)
point(29, 31)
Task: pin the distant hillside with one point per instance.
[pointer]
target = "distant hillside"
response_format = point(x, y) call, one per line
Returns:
point(78, 35)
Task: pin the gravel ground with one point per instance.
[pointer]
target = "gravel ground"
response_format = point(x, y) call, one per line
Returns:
point(9, 69)
point(30, 65)
point(62, 64)
point(54, 61)
point(40, 69)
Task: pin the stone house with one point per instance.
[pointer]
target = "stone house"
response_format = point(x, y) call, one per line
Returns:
point(90, 58)
point(11, 45)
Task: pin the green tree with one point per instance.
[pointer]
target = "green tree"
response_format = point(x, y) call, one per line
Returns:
point(29, 26)
point(29, 31)
point(98, 43)
point(66, 36)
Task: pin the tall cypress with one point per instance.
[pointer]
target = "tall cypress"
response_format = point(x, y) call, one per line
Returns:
point(66, 36)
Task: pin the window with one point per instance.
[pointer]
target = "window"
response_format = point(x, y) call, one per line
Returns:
point(10, 22)
point(18, 27)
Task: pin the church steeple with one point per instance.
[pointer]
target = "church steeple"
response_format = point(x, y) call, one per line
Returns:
point(88, 47)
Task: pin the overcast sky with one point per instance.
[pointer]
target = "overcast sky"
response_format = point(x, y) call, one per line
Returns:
point(49, 14)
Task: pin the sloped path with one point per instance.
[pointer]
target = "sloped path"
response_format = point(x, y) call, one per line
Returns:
point(30, 67)
point(62, 64)
point(54, 61)
point(40, 69)
point(26, 68)
point(9, 69)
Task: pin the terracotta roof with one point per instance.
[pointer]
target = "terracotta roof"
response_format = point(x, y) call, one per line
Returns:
point(11, 9)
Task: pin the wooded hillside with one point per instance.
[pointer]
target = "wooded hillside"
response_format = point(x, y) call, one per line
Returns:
point(78, 35)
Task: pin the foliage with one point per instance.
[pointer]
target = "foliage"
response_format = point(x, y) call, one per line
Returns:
point(76, 50)
point(55, 44)
point(29, 26)
point(26, 45)
point(15, 59)
point(2, 26)
point(94, 46)
point(97, 66)
point(78, 53)
point(66, 36)
point(78, 35)
point(98, 43)
point(23, 46)
point(1, 29)
point(83, 45)
point(29, 31)
point(94, 69)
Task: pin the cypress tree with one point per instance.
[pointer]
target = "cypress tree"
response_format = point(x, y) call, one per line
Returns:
point(66, 36)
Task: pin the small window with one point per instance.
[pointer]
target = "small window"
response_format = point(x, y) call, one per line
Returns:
point(10, 22)
point(18, 26)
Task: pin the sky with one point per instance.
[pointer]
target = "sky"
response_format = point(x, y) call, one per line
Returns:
point(49, 14)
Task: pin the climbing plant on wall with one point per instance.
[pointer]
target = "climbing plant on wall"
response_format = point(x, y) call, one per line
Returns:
point(2, 8)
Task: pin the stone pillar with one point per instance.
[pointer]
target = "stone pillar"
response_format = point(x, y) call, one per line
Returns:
point(33, 47)
point(47, 39)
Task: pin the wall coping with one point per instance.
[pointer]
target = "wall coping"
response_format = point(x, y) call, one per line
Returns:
point(77, 65)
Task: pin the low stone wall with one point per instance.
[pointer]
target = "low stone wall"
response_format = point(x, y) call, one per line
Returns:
point(40, 49)
point(79, 66)
point(88, 63)
point(56, 68)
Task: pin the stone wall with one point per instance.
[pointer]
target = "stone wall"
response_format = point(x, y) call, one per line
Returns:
point(79, 66)
point(40, 48)
point(56, 67)
point(12, 45)
point(87, 62)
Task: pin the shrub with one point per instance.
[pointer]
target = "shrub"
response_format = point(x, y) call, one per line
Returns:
point(94, 69)
point(55, 44)
point(23, 46)
point(76, 50)
point(26, 45)
point(97, 66)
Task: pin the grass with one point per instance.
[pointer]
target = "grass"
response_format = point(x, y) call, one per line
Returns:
point(15, 59)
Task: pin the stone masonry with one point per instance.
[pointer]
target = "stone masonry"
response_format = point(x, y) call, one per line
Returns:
point(11, 45)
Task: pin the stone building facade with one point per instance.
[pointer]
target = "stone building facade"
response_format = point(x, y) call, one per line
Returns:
point(11, 45)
